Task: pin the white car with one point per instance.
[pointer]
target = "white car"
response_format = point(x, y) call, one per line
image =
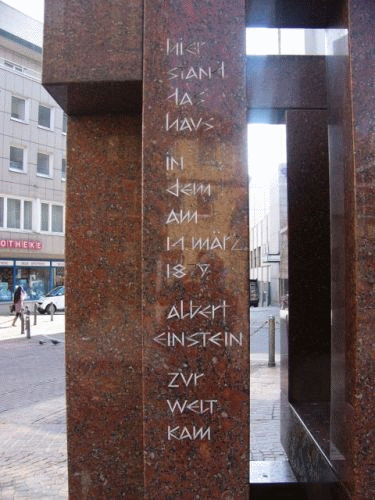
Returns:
point(53, 301)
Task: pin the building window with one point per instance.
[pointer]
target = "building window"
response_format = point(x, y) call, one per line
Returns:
point(18, 108)
point(44, 217)
point(43, 164)
point(63, 169)
point(27, 215)
point(65, 123)
point(16, 213)
point(51, 218)
point(45, 117)
point(19, 214)
point(12, 66)
point(17, 158)
point(57, 219)
point(1, 212)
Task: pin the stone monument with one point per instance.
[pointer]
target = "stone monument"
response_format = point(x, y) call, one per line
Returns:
point(157, 264)
point(156, 244)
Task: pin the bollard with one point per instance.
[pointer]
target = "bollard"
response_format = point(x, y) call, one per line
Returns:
point(35, 311)
point(51, 312)
point(28, 332)
point(22, 323)
point(271, 341)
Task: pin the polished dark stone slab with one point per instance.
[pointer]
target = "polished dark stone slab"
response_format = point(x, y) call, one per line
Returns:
point(286, 82)
point(293, 13)
point(309, 331)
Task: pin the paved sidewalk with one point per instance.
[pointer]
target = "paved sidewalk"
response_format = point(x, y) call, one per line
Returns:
point(44, 326)
point(265, 410)
point(33, 456)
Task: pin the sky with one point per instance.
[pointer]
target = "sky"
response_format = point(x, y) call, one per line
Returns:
point(266, 150)
point(33, 8)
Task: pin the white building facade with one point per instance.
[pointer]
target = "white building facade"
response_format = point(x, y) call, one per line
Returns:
point(32, 164)
point(266, 206)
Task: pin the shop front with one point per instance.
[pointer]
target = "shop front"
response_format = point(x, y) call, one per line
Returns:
point(36, 277)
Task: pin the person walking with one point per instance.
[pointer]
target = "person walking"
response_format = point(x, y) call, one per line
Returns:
point(18, 304)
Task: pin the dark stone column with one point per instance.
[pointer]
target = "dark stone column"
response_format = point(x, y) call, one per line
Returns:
point(309, 257)
point(342, 212)
point(195, 281)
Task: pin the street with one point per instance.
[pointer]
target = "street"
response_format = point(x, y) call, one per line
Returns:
point(259, 317)
point(33, 417)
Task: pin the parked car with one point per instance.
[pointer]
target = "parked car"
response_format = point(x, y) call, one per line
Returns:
point(53, 301)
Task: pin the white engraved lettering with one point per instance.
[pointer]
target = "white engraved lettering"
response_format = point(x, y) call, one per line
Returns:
point(192, 379)
point(171, 163)
point(189, 189)
point(209, 244)
point(196, 72)
point(180, 217)
point(181, 433)
point(191, 310)
point(176, 243)
point(200, 406)
point(177, 271)
point(201, 339)
point(180, 48)
point(187, 124)
point(204, 268)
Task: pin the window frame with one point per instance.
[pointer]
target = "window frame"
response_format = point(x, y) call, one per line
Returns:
point(26, 109)
point(64, 126)
point(63, 170)
point(50, 204)
point(50, 164)
point(4, 220)
point(51, 117)
point(24, 159)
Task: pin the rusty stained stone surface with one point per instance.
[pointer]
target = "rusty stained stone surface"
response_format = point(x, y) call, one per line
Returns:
point(196, 353)
point(103, 283)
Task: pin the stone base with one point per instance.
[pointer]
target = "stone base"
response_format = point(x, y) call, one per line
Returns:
point(308, 460)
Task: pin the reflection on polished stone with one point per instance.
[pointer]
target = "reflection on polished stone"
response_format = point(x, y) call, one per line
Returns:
point(275, 471)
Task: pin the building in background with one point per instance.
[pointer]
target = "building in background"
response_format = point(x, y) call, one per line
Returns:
point(32, 164)
point(266, 208)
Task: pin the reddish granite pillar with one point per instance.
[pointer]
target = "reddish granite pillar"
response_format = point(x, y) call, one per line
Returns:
point(360, 211)
point(195, 277)
point(181, 425)
point(103, 300)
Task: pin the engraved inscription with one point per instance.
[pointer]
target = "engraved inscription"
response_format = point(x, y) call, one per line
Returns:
point(188, 124)
point(180, 217)
point(190, 310)
point(197, 72)
point(199, 406)
point(191, 433)
point(172, 163)
point(180, 48)
point(199, 339)
point(180, 98)
point(189, 189)
point(177, 379)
